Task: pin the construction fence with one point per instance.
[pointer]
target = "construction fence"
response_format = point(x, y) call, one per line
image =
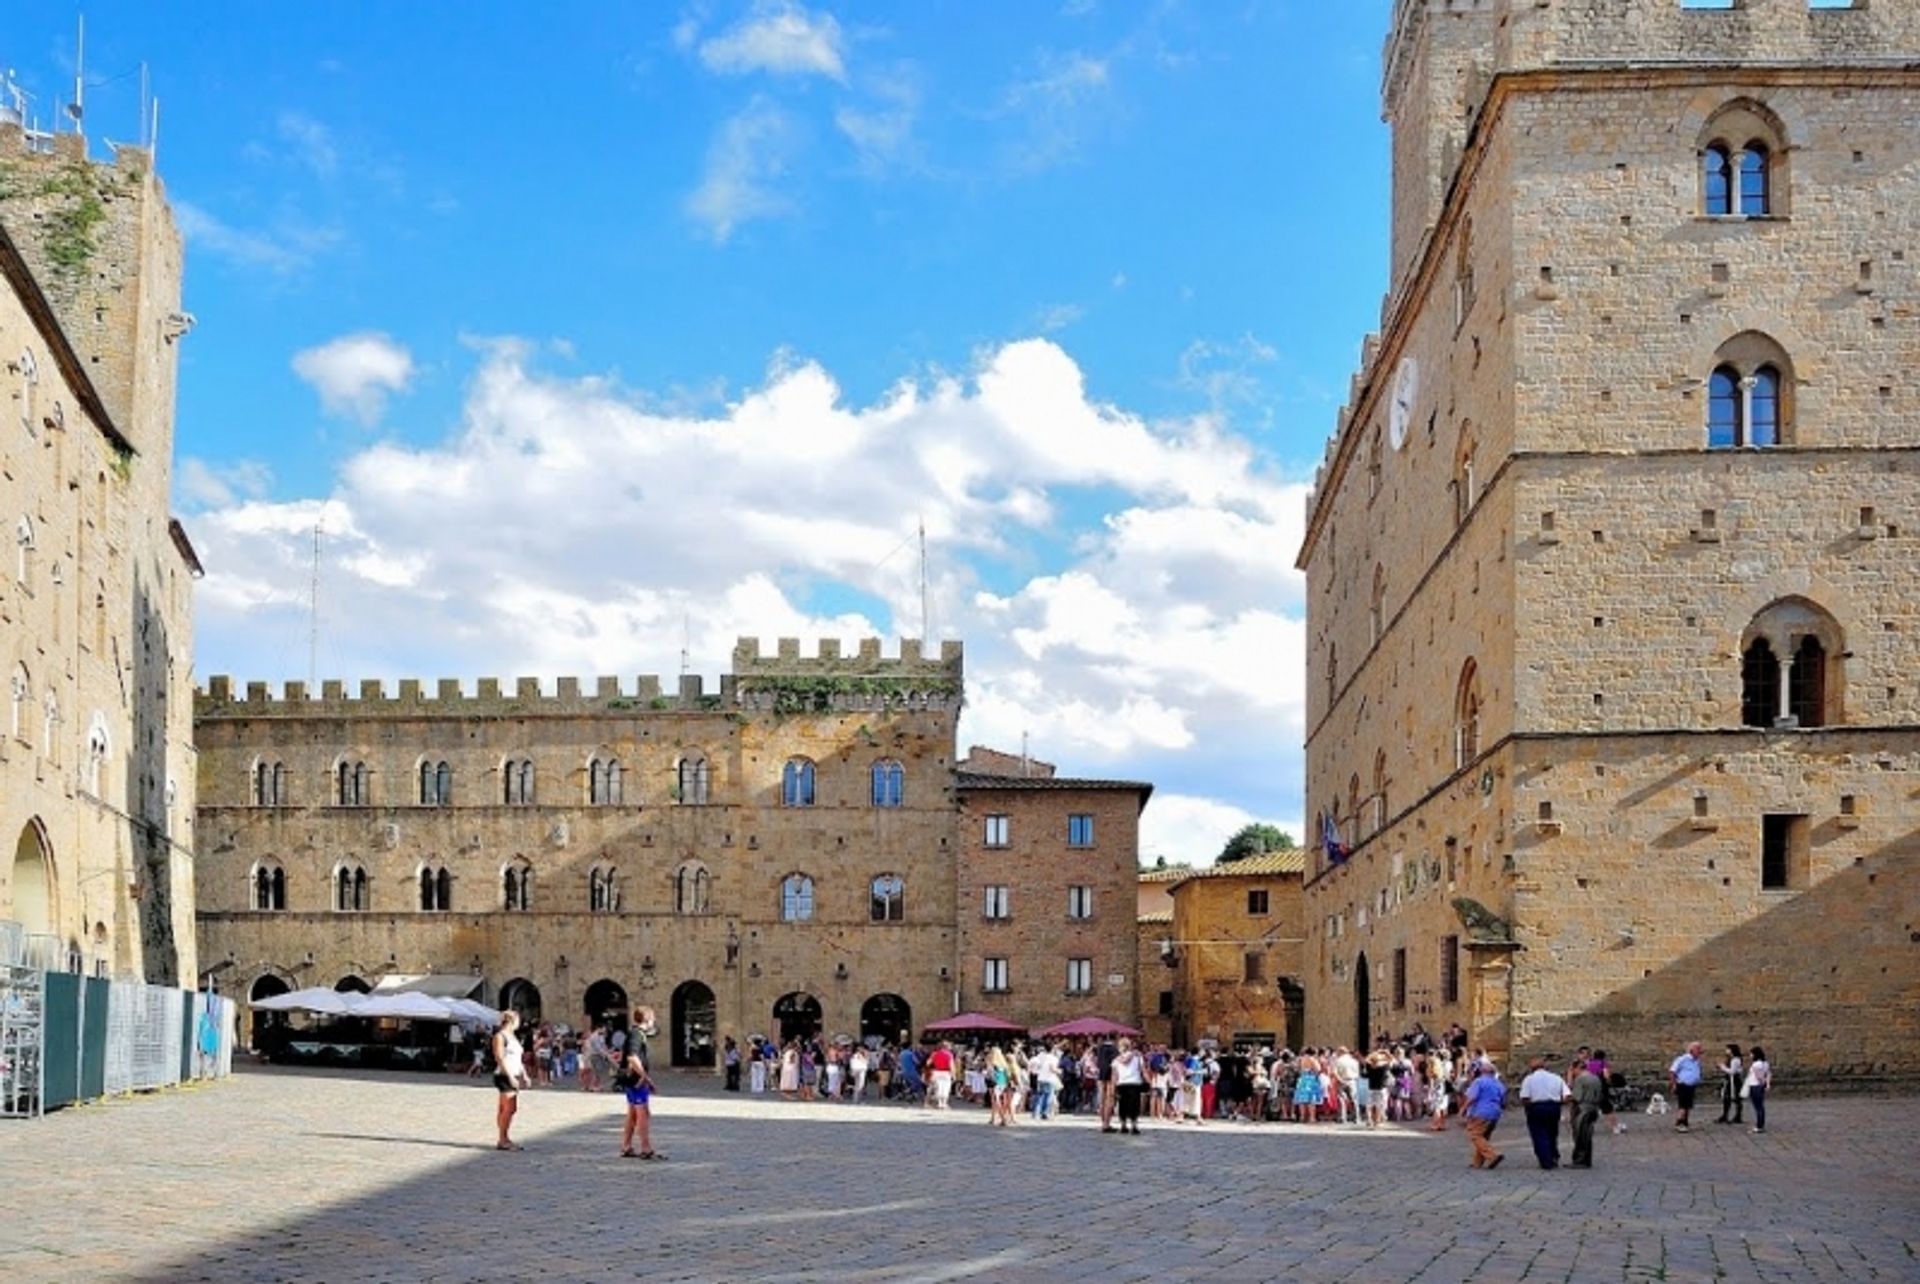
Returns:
point(66, 1038)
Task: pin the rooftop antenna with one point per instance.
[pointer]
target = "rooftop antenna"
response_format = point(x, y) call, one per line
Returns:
point(1026, 763)
point(78, 107)
point(313, 611)
point(686, 642)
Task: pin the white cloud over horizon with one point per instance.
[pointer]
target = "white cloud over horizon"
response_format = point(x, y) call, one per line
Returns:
point(356, 373)
point(1124, 586)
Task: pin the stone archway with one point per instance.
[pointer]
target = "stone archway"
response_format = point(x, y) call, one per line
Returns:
point(886, 1017)
point(522, 996)
point(351, 984)
point(798, 1016)
point(269, 1029)
point(606, 1002)
point(693, 1017)
point(32, 881)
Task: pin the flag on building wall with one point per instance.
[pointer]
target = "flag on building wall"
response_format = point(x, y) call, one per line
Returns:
point(1330, 841)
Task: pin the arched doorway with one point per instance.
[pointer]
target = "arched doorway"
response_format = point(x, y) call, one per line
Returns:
point(606, 1002)
point(1294, 996)
point(523, 996)
point(886, 1017)
point(797, 1015)
point(269, 1028)
point(351, 984)
point(32, 881)
point(1362, 1004)
point(693, 1018)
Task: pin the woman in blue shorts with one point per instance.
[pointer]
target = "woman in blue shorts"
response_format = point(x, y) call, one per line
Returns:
point(634, 1081)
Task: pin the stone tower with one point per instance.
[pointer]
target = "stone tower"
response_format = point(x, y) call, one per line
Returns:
point(1609, 580)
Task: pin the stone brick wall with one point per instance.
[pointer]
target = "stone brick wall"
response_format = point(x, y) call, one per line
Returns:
point(101, 621)
point(1038, 867)
point(1215, 933)
point(838, 713)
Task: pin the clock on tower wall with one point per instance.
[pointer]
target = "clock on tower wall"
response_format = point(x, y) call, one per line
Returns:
point(1406, 387)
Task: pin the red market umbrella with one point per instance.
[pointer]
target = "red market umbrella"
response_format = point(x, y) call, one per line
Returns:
point(1087, 1027)
point(975, 1023)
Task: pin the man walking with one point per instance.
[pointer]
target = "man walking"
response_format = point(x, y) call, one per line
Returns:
point(1486, 1097)
point(1684, 1075)
point(1541, 1095)
point(1589, 1100)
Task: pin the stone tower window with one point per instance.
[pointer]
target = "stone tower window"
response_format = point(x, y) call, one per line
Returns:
point(603, 781)
point(796, 898)
point(516, 886)
point(889, 783)
point(352, 784)
point(603, 890)
point(1377, 606)
point(1466, 718)
point(21, 691)
point(1463, 476)
point(23, 558)
point(1742, 163)
point(269, 884)
point(796, 783)
point(1791, 668)
point(99, 745)
point(350, 889)
point(436, 889)
point(692, 888)
point(1749, 394)
point(888, 899)
point(436, 784)
point(269, 784)
point(1379, 791)
point(690, 781)
point(517, 782)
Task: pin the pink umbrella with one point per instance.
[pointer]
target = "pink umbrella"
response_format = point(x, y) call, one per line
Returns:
point(975, 1023)
point(1088, 1027)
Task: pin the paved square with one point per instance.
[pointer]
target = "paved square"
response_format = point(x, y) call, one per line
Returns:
point(281, 1175)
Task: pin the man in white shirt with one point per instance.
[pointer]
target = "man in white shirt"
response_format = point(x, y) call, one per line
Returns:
point(1346, 1069)
point(1541, 1095)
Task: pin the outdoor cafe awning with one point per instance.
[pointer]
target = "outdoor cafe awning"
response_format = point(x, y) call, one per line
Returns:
point(435, 985)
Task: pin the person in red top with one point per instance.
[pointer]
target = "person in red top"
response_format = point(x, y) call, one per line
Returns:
point(940, 1071)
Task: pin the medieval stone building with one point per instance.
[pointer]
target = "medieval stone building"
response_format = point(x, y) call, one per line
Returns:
point(96, 757)
point(1611, 585)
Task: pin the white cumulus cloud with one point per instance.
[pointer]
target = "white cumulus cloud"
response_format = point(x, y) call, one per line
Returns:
point(745, 163)
point(781, 38)
point(356, 373)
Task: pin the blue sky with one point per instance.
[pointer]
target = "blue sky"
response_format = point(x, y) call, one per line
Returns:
point(587, 329)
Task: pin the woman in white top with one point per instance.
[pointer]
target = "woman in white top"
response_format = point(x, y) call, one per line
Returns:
point(1129, 1081)
point(1759, 1079)
point(509, 1076)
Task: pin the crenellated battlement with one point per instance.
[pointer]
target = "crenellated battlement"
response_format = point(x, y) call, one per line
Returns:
point(783, 683)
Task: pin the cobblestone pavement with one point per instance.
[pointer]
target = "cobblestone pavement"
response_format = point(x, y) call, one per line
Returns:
point(284, 1175)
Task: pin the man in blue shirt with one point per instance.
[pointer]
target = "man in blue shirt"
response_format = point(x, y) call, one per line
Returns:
point(1684, 1074)
point(1486, 1097)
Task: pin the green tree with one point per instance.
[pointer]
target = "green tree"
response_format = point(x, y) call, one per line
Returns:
point(1256, 840)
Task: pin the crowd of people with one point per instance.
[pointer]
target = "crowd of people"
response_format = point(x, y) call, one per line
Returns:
point(1418, 1077)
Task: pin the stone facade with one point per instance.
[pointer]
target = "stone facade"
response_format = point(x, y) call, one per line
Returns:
point(1584, 802)
point(581, 887)
point(1240, 953)
point(1047, 894)
point(96, 759)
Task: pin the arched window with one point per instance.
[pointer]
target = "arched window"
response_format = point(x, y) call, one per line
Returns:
point(1377, 606)
point(796, 898)
point(23, 539)
point(889, 899)
point(436, 888)
point(1380, 812)
point(1742, 158)
point(22, 690)
point(516, 776)
point(1718, 179)
point(603, 781)
point(889, 783)
point(1353, 809)
point(690, 784)
point(603, 890)
point(1791, 667)
point(1464, 480)
point(49, 724)
point(516, 885)
point(796, 783)
point(269, 882)
point(350, 889)
point(1748, 394)
point(99, 746)
point(1466, 717)
point(692, 888)
point(436, 784)
point(353, 784)
point(1333, 673)
point(269, 783)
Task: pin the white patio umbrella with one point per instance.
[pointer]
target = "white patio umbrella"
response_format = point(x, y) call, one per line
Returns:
point(406, 1007)
point(321, 1000)
point(471, 1013)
